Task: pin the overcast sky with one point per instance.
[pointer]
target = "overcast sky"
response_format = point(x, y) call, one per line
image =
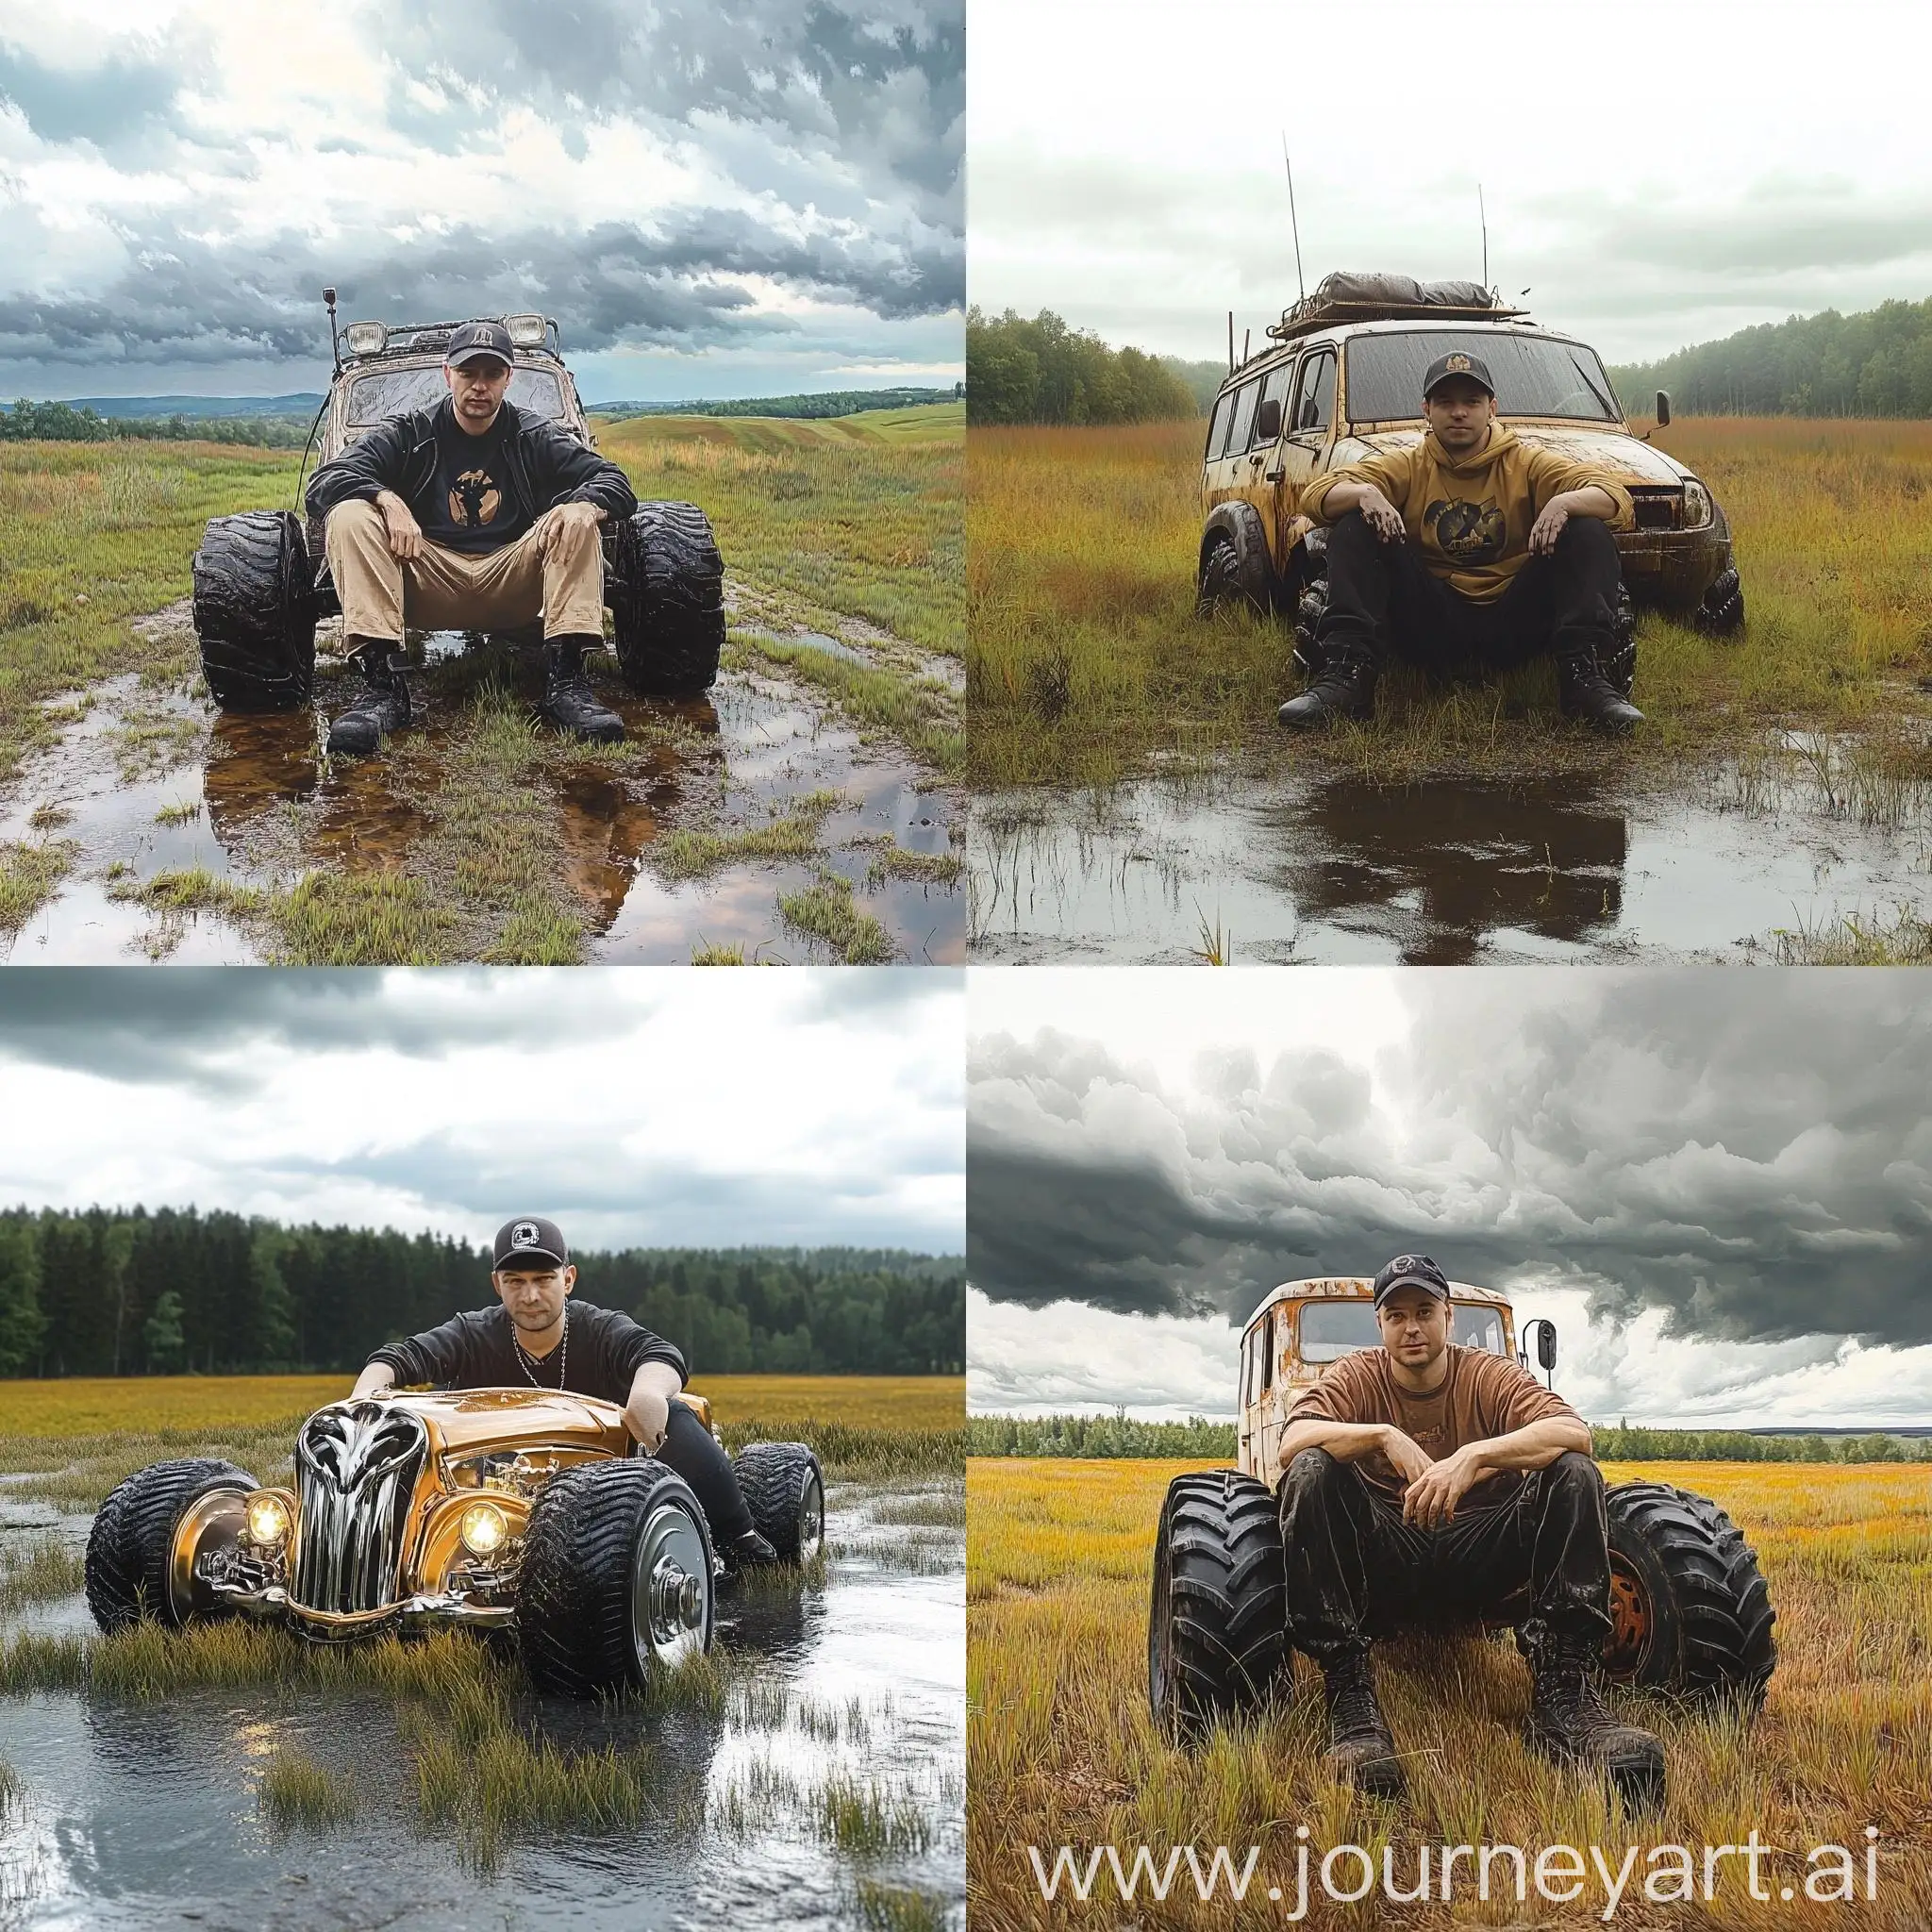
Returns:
point(636, 1107)
point(712, 201)
point(1659, 173)
point(1718, 1185)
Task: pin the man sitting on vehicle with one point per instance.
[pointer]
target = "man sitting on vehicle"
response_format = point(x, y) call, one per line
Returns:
point(1468, 545)
point(478, 518)
point(1426, 1484)
point(538, 1336)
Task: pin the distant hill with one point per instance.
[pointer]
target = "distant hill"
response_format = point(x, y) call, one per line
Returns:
point(1877, 363)
point(845, 402)
point(197, 408)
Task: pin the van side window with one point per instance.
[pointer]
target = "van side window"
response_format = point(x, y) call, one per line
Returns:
point(1217, 430)
point(1314, 396)
point(1275, 390)
point(1268, 1351)
point(1245, 398)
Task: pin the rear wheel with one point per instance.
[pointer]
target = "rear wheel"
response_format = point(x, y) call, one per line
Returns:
point(141, 1550)
point(667, 600)
point(1216, 1623)
point(1722, 609)
point(616, 1580)
point(1221, 578)
point(784, 1491)
point(254, 611)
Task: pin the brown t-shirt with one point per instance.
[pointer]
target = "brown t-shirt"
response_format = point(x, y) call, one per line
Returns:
point(1482, 1395)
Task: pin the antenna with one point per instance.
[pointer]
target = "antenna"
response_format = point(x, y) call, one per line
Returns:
point(1483, 214)
point(1231, 342)
point(1301, 287)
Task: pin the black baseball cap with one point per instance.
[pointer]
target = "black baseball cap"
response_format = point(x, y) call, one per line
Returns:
point(1411, 1271)
point(1457, 363)
point(529, 1238)
point(474, 339)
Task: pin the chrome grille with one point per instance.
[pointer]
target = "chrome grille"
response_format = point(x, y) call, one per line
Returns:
point(356, 1465)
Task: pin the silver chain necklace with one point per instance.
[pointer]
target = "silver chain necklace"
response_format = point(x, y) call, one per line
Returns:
point(525, 1359)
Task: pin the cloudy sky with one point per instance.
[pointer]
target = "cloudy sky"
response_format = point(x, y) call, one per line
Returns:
point(1656, 174)
point(637, 1108)
point(1718, 1185)
point(712, 201)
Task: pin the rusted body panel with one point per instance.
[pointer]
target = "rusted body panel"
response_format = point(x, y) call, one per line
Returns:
point(1273, 1370)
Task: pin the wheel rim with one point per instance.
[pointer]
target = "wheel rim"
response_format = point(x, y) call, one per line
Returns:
point(671, 1589)
point(811, 1517)
point(1630, 1619)
point(215, 1518)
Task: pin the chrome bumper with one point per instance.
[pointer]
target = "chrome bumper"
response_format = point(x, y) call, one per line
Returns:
point(438, 1609)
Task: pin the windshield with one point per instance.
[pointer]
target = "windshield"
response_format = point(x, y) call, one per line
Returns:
point(390, 392)
point(1535, 375)
point(1332, 1329)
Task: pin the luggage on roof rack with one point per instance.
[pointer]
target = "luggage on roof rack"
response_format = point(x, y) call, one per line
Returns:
point(1349, 297)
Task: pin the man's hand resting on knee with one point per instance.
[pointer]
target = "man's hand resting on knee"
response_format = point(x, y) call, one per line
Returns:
point(1377, 512)
point(552, 524)
point(398, 522)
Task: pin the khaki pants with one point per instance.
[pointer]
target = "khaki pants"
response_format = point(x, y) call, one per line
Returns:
point(455, 590)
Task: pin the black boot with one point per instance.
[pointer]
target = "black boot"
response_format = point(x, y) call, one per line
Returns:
point(749, 1551)
point(1344, 687)
point(1570, 1722)
point(1361, 1752)
point(568, 701)
point(1585, 693)
point(382, 705)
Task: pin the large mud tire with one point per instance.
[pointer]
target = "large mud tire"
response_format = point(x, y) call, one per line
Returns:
point(1720, 613)
point(591, 1617)
point(254, 611)
point(784, 1488)
point(667, 600)
point(1220, 587)
point(1217, 1631)
point(131, 1547)
point(1692, 1613)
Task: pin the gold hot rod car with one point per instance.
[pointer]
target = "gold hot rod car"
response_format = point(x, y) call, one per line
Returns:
point(524, 1511)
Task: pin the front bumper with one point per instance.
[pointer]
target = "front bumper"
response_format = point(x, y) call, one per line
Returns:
point(1673, 568)
point(438, 1609)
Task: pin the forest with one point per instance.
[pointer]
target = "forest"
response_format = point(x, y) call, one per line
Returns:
point(1041, 371)
point(126, 1291)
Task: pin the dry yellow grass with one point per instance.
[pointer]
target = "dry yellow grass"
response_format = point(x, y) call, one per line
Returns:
point(1062, 1748)
point(1084, 658)
point(104, 1405)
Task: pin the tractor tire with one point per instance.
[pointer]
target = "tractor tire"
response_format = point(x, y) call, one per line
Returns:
point(1722, 610)
point(784, 1491)
point(616, 1580)
point(254, 611)
point(130, 1549)
point(667, 600)
point(1217, 1628)
point(1690, 1611)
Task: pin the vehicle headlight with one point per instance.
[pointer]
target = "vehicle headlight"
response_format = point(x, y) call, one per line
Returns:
point(483, 1529)
point(1696, 504)
point(366, 338)
point(526, 331)
point(268, 1519)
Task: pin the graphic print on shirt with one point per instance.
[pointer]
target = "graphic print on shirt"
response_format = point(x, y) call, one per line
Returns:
point(474, 500)
point(1467, 532)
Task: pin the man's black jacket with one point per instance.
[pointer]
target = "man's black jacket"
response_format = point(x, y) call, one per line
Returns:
point(476, 1349)
point(546, 466)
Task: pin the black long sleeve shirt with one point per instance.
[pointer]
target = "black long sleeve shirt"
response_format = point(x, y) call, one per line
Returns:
point(476, 1349)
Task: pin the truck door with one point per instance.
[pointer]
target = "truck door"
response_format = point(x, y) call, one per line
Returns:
point(1273, 1421)
point(1310, 425)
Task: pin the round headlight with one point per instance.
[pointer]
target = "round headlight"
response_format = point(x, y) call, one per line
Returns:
point(483, 1529)
point(366, 338)
point(267, 1518)
point(1696, 504)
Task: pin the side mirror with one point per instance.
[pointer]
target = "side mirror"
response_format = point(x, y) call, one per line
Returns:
point(1268, 422)
point(1546, 1344)
point(1663, 409)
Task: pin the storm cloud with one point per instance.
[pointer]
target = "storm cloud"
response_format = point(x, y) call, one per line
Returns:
point(1743, 1159)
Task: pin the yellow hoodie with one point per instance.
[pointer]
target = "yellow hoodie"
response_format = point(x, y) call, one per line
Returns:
point(1471, 515)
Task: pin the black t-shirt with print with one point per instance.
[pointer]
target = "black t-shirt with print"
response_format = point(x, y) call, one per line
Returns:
point(471, 507)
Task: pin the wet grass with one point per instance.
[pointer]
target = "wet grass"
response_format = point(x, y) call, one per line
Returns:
point(1061, 1747)
point(1899, 938)
point(40, 1569)
point(826, 911)
point(1085, 664)
point(794, 830)
point(893, 861)
point(29, 876)
point(865, 1818)
point(92, 535)
point(296, 1790)
point(896, 1909)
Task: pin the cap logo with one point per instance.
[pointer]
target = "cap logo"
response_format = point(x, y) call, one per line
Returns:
point(1455, 362)
point(524, 1234)
point(1405, 1261)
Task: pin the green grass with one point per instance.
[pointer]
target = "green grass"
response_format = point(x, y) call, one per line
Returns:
point(893, 861)
point(826, 911)
point(296, 1790)
point(29, 876)
point(92, 535)
point(794, 831)
point(37, 1572)
point(1901, 938)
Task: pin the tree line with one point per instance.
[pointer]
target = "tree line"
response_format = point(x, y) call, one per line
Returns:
point(1041, 371)
point(125, 1291)
point(1875, 363)
point(27, 422)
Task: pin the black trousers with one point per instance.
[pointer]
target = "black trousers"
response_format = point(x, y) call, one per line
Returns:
point(1381, 597)
point(692, 1451)
point(1357, 1570)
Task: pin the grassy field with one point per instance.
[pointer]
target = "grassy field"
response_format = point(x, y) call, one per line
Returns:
point(1062, 1748)
point(1085, 662)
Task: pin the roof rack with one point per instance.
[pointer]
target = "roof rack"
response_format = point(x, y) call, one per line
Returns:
point(1346, 297)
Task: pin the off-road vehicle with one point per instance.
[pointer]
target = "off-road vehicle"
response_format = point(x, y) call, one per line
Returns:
point(529, 1512)
point(261, 579)
point(1344, 377)
point(1690, 1611)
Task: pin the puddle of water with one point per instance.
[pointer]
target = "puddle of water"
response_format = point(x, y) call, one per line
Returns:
point(1331, 870)
point(144, 1815)
point(260, 802)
